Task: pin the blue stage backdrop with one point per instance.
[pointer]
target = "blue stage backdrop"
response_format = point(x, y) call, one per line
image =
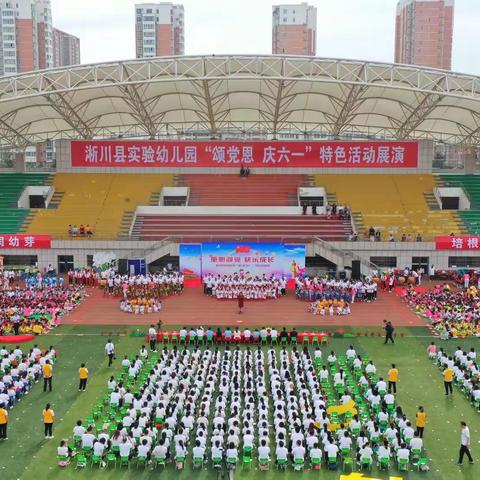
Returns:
point(254, 258)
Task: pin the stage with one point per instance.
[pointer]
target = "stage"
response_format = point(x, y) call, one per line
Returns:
point(192, 307)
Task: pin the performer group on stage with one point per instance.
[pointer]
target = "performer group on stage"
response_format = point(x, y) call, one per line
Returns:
point(229, 287)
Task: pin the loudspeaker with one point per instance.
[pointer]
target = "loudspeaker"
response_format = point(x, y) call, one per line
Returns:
point(356, 270)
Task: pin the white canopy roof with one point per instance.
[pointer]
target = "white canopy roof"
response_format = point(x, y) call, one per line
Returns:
point(264, 95)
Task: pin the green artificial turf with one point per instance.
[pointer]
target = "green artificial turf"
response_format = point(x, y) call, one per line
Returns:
point(26, 455)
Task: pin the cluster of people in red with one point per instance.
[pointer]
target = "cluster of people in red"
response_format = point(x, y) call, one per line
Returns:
point(82, 231)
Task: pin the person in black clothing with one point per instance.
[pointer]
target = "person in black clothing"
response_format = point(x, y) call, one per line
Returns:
point(388, 331)
point(314, 209)
point(283, 334)
point(304, 208)
point(293, 334)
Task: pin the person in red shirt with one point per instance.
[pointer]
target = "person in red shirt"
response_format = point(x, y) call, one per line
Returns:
point(241, 301)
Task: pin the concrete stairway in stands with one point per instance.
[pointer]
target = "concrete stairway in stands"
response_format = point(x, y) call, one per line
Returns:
point(287, 228)
point(256, 190)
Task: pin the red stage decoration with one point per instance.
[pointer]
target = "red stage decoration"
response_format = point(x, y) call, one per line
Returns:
point(462, 242)
point(14, 241)
point(17, 338)
point(275, 154)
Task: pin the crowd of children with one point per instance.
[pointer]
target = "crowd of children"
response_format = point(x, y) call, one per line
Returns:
point(229, 287)
point(35, 310)
point(464, 368)
point(141, 294)
point(454, 313)
point(220, 405)
point(18, 372)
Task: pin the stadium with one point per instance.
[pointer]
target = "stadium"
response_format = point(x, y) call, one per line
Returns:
point(295, 198)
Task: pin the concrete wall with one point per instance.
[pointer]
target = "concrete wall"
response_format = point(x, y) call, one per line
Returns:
point(138, 249)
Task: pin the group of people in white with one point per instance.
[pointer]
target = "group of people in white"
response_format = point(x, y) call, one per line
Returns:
point(223, 404)
point(19, 371)
point(124, 284)
point(466, 371)
point(229, 287)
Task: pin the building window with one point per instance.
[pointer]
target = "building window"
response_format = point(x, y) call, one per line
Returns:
point(65, 263)
point(463, 262)
point(386, 262)
point(420, 262)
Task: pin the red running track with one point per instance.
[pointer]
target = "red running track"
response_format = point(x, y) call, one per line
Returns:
point(192, 307)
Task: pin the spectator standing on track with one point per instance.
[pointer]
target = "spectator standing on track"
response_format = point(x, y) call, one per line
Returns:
point(389, 329)
point(83, 374)
point(464, 444)
point(47, 371)
point(110, 352)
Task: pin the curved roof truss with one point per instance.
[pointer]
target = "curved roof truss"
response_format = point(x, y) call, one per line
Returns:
point(265, 95)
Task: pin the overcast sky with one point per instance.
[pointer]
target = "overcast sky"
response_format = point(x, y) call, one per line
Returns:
point(357, 29)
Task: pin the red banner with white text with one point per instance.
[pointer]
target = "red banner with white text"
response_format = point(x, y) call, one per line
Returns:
point(277, 154)
point(12, 241)
point(462, 242)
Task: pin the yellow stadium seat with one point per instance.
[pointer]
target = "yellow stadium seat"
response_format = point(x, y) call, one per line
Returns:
point(97, 199)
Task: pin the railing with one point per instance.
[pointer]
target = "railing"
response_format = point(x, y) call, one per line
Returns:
point(338, 251)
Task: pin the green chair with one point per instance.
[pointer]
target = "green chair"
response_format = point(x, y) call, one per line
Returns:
point(332, 463)
point(141, 461)
point(316, 463)
point(347, 464)
point(282, 463)
point(298, 464)
point(384, 463)
point(217, 462)
point(87, 450)
point(124, 462)
point(159, 462)
point(403, 465)
point(81, 461)
point(180, 461)
point(232, 461)
point(422, 463)
point(366, 462)
point(263, 463)
point(197, 462)
point(96, 460)
point(247, 456)
point(62, 460)
point(111, 460)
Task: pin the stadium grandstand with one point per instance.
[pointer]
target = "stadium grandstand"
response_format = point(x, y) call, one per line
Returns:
point(148, 154)
point(216, 252)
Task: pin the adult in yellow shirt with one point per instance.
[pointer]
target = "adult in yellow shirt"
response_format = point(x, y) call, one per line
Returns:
point(421, 421)
point(3, 422)
point(48, 417)
point(392, 379)
point(47, 371)
point(448, 380)
point(83, 374)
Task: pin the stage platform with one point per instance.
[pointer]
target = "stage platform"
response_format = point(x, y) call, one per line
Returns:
point(192, 307)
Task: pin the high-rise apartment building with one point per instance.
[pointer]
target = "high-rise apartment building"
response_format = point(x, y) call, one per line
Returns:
point(423, 33)
point(159, 30)
point(66, 49)
point(294, 29)
point(27, 37)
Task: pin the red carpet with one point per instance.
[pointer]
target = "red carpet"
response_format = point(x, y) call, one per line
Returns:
point(194, 308)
